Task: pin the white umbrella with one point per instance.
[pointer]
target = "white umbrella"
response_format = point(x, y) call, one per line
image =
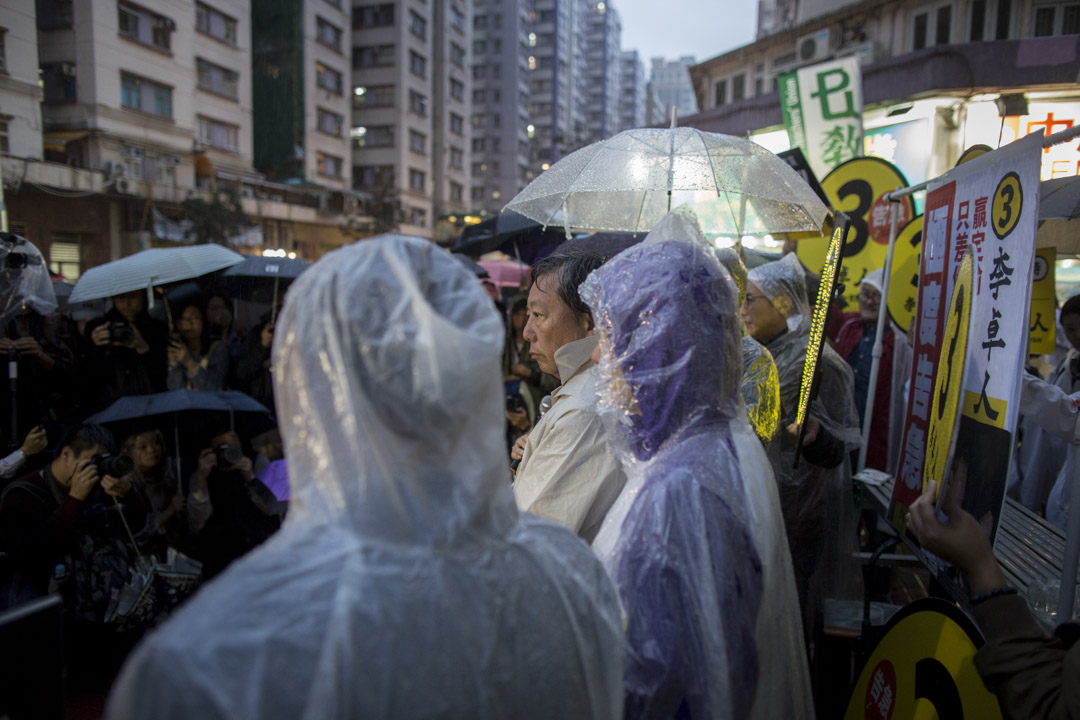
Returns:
point(1059, 215)
point(157, 266)
point(629, 181)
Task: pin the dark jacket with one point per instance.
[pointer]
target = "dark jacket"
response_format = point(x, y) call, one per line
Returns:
point(114, 372)
point(846, 343)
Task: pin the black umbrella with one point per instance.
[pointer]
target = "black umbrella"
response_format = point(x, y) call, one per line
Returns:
point(511, 233)
point(605, 244)
point(258, 276)
point(472, 266)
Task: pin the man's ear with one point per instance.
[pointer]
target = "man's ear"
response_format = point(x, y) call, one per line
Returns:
point(590, 326)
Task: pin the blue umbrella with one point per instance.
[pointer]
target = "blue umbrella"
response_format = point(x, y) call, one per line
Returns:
point(175, 402)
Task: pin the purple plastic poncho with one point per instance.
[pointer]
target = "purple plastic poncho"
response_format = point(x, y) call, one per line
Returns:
point(695, 543)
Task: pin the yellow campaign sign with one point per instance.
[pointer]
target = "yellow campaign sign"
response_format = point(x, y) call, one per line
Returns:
point(923, 669)
point(858, 188)
point(1043, 326)
point(904, 280)
point(820, 317)
point(949, 383)
point(973, 152)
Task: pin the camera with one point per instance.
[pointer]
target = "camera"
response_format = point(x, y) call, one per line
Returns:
point(113, 465)
point(228, 455)
point(121, 333)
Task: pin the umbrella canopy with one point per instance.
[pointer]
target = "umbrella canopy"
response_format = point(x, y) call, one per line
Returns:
point(1059, 215)
point(605, 244)
point(257, 266)
point(631, 180)
point(474, 267)
point(157, 266)
point(507, 273)
point(488, 235)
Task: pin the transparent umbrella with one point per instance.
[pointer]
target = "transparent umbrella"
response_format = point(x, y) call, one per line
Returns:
point(631, 180)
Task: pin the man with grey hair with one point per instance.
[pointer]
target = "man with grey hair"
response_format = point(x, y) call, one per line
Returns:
point(567, 472)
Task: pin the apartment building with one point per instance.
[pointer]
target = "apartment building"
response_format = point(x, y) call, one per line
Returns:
point(558, 83)
point(670, 80)
point(633, 101)
point(504, 57)
point(20, 94)
point(411, 101)
point(603, 70)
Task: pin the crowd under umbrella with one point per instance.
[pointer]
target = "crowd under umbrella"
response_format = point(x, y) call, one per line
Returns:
point(259, 277)
point(631, 180)
point(136, 413)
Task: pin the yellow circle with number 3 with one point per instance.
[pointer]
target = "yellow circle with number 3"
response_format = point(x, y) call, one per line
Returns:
point(1008, 203)
point(948, 385)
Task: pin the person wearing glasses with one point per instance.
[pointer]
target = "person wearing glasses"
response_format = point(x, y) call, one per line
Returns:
point(855, 343)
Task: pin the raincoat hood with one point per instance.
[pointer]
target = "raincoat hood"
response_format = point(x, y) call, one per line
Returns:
point(647, 301)
point(784, 283)
point(394, 428)
point(24, 279)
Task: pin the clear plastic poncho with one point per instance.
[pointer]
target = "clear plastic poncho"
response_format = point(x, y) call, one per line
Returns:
point(24, 279)
point(817, 502)
point(695, 543)
point(404, 582)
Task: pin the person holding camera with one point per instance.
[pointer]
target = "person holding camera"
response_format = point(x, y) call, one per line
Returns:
point(44, 348)
point(45, 515)
point(127, 355)
point(229, 511)
point(196, 362)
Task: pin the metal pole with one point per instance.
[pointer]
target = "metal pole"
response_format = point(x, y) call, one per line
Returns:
point(875, 363)
point(1072, 537)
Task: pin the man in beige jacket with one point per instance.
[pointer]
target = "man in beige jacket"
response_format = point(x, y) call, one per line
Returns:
point(567, 472)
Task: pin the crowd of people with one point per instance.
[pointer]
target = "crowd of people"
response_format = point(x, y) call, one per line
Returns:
point(597, 502)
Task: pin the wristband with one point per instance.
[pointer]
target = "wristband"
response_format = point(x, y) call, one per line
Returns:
point(996, 592)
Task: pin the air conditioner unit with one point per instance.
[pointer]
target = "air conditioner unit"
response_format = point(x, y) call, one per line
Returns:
point(67, 69)
point(123, 186)
point(814, 47)
point(136, 152)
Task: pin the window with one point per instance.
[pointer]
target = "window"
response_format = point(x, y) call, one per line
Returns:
point(330, 123)
point(328, 34)
point(1057, 19)
point(457, 54)
point(216, 79)
point(496, 21)
point(328, 79)
point(416, 180)
point(145, 27)
point(418, 217)
point(759, 86)
point(3, 51)
point(1070, 20)
point(457, 158)
point(457, 19)
point(145, 95)
point(373, 96)
point(479, 47)
point(417, 25)
point(738, 87)
point(1044, 21)
point(457, 192)
point(479, 71)
point(479, 22)
point(59, 81)
point(417, 64)
point(479, 120)
point(978, 20)
point(369, 16)
point(457, 89)
point(4, 145)
point(477, 193)
point(943, 34)
point(54, 14)
point(479, 145)
point(215, 24)
point(417, 103)
point(417, 142)
point(373, 175)
point(216, 134)
point(65, 255)
point(373, 56)
point(721, 93)
point(1004, 19)
point(457, 124)
point(328, 165)
point(918, 41)
point(479, 96)
point(372, 136)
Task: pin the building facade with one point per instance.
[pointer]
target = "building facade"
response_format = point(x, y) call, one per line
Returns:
point(670, 80)
point(603, 70)
point(633, 102)
point(936, 78)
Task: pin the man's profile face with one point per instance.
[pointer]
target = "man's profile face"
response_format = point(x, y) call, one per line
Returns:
point(551, 324)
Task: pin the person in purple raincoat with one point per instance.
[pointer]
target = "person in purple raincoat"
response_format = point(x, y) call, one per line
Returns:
point(696, 542)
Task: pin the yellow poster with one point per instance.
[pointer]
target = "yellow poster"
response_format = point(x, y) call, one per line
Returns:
point(904, 281)
point(858, 188)
point(1043, 325)
point(922, 669)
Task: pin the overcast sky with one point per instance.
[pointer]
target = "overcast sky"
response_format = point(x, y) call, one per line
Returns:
point(673, 28)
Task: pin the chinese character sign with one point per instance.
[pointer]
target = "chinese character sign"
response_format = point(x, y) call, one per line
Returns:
point(1042, 325)
point(985, 207)
point(822, 106)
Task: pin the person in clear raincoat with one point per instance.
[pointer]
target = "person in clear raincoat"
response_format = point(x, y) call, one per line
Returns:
point(760, 385)
point(404, 582)
point(817, 497)
point(695, 542)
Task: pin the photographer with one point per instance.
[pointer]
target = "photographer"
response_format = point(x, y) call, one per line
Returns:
point(229, 510)
point(127, 356)
point(44, 516)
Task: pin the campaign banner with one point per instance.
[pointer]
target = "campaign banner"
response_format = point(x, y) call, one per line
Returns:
point(822, 107)
point(1043, 304)
point(987, 205)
